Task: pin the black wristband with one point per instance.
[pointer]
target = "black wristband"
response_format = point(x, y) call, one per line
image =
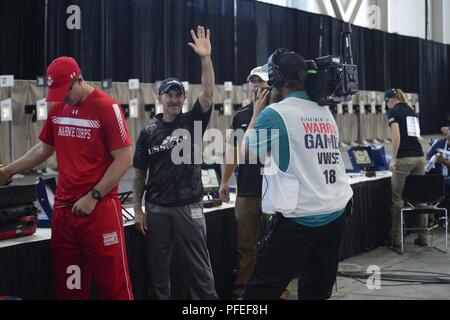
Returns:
point(96, 195)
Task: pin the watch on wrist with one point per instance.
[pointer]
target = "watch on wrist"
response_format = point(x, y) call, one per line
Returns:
point(96, 195)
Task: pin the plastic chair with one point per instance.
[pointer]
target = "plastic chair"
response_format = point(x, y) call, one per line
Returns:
point(422, 195)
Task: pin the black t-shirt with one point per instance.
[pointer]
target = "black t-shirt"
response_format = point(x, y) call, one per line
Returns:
point(409, 146)
point(171, 184)
point(249, 178)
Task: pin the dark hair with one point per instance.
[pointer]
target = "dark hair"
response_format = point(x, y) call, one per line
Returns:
point(297, 85)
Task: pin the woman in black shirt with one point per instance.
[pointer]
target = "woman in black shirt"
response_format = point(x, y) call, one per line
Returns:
point(407, 158)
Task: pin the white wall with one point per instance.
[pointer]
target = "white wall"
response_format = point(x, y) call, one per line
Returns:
point(446, 21)
point(314, 6)
point(405, 17)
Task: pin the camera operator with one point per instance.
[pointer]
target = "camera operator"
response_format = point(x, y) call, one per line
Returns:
point(308, 191)
point(407, 158)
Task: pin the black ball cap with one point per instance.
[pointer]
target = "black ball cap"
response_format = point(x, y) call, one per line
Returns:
point(290, 64)
point(390, 94)
point(171, 84)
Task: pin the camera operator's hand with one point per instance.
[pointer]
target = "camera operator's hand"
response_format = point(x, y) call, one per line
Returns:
point(261, 101)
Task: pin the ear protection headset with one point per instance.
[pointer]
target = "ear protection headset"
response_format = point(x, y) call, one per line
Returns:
point(276, 77)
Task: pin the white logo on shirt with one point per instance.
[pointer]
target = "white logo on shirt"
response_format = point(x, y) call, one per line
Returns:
point(49, 81)
point(110, 239)
point(123, 133)
point(74, 132)
point(196, 213)
point(75, 112)
point(75, 128)
point(412, 124)
point(76, 122)
point(169, 143)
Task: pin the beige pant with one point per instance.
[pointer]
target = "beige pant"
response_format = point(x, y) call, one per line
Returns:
point(248, 216)
point(405, 167)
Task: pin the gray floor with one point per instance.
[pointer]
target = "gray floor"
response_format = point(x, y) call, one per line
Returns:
point(413, 263)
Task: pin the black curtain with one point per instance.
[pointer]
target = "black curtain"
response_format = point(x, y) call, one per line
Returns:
point(384, 60)
point(85, 45)
point(118, 39)
point(178, 17)
point(279, 27)
point(246, 42)
point(448, 98)
point(434, 85)
point(21, 38)
point(147, 39)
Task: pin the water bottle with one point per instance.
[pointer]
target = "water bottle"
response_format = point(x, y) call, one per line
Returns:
point(431, 163)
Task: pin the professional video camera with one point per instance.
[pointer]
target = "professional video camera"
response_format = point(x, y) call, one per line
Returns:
point(332, 79)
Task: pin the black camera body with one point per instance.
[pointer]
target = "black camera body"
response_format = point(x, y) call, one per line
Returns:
point(331, 79)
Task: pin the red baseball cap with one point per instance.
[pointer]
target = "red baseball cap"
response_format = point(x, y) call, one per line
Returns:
point(60, 75)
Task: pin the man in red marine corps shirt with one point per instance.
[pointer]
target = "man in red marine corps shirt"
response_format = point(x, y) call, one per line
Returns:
point(87, 129)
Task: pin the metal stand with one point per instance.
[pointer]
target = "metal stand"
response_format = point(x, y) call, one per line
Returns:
point(11, 133)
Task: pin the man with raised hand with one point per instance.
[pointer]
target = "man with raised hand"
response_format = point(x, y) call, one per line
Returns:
point(173, 213)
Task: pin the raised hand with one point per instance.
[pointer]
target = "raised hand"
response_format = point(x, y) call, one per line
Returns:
point(202, 42)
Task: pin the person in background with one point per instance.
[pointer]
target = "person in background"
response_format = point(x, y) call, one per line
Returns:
point(407, 158)
point(251, 221)
point(249, 180)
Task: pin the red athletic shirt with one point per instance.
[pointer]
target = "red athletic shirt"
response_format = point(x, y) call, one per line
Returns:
point(84, 136)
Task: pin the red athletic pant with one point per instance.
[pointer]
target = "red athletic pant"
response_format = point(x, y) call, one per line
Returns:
point(90, 248)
